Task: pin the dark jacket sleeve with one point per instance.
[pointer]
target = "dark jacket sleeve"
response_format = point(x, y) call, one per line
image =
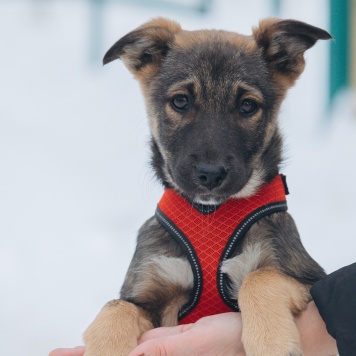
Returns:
point(335, 297)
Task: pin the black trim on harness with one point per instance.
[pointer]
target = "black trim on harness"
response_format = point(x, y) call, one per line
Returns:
point(235, 239)
point(183, 241)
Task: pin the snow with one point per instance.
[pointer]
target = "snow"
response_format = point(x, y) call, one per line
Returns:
point(75, 184)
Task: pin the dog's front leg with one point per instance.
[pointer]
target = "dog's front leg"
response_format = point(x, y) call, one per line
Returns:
point(269, 300)
point(116, 329)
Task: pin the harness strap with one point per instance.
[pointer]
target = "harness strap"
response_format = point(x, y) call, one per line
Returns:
point(209, 239)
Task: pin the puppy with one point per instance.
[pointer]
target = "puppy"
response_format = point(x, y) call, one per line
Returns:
point(221, 238)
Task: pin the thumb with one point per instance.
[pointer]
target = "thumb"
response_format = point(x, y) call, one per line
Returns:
point(163, 341)
point(164, 332)
point(76, 351)
point(155, 347)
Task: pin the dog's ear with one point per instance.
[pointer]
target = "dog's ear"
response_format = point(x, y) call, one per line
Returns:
point(284, 42)
point(144, 47)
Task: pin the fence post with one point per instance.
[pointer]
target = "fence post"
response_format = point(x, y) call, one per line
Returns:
point(96, 30)
point(353, 44)
point(340, 16)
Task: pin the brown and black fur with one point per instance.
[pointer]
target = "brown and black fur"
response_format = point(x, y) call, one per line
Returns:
point(229, 89)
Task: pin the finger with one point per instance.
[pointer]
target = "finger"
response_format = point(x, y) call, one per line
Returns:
point(76, 351)
point(164, 332)
point(154, 347)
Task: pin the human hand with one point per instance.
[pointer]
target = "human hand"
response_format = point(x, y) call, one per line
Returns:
point(313, 334)
point(76, 351)
point(213, 335)
point(220, 335)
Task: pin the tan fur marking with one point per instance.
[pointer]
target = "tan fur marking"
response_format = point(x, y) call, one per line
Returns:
point(188, 39)
point(181, 87)
point(115, 330)
point(172, 270)
point(269, 300)
point(146, 72)
point(162, 22)
point(252, 121)
point(251, 92)
point(253, 257)
point(288, 81)
point(271, 128)
point(165, 279)
point(170, 313)
point(252, 185)
point(177, 118)
point(265, 28)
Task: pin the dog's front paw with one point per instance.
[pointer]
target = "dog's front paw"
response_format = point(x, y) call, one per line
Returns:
point(116, 329)
point(275, 335)
point(269, 300)
point(103, 348)
point(266, 344)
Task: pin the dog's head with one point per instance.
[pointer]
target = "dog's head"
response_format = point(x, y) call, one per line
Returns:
point(212, 99)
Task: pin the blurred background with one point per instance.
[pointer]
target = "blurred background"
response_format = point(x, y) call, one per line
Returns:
point(75, 183)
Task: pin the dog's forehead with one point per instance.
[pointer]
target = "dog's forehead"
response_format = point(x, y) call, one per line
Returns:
point(213, 58)
point(190, 39)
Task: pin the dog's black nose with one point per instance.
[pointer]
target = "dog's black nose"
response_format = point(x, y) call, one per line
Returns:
point(210, 176)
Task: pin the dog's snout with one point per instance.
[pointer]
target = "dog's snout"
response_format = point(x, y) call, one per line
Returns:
point(210, 176)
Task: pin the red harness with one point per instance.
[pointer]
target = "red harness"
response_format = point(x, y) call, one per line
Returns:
point(210, 237)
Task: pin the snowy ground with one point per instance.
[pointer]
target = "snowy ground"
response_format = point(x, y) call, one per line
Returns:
point(74, 180)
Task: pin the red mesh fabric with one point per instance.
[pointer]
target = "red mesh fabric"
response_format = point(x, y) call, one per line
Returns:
point(209, 235)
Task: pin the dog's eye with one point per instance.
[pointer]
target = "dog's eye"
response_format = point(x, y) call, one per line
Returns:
point(180, 103)
point(248, 106)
